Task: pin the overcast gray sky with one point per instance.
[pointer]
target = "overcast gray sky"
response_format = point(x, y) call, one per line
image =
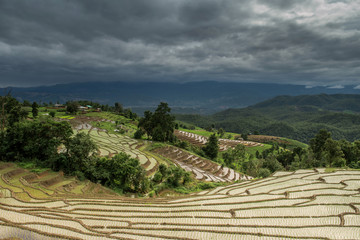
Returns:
point(309, 42)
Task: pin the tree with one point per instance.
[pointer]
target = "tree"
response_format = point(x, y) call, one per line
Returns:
point(272, 164)
point(236, 155)
point(317, 144)
point(123, 173)
point(164, 123)
point(285, 158)
point(159, 125)
point(175, 176)
point(35, 141)
point(146, 123)
point(264, 172)
point(163, 169)
point(354, 162)
point(245, 136)
point(26, 103)
point(11, 111)
point(334, 156)
point(129, 114)
point(221, 132)
point(253, 166)
point(157, 177)
point(72, 107)
point(138, 134)
point(52, 113)
point(211, 148)
point(118, 108)
point(80, 150)
point(35, 109)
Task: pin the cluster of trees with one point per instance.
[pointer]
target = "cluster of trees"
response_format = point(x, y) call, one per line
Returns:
point(73, 106)
point(159, 126)
point(11, 111)
point(39, 141)
point(169, 177)
point(323, 151)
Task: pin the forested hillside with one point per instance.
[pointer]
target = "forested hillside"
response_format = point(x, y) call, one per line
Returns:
point(335, 102)
point(299, 117)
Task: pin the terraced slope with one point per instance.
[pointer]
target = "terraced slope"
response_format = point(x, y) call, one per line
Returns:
point(203, 169)
point(224, 144)
point(26, 186)
point(111, 144)
point(305, 204)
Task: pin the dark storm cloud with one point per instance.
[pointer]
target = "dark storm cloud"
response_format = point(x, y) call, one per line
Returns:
point(283, 4)
point(310, 42)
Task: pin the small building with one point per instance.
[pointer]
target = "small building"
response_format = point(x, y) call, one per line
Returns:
point(56, 106)
point(59, 106)
point(82, 108)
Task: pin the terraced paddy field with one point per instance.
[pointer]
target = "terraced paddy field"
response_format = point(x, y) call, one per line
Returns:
point(306, 204)
point(203, 169)
point(110, 144)
point(224, 144)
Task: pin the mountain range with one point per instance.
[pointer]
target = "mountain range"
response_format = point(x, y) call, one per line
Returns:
point(296, 117)
point(191, 97)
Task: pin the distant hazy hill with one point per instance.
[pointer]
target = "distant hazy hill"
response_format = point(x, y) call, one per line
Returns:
point(296, 117)
point(192, 97)
point(336, 102)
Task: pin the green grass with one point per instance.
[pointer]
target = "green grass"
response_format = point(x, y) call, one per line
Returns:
point(252, 150)
point(330, 170)
point(109, 116)
point(200, 132)
point(32, 167)
point(66, 117)
point(58, 113)
point(130, 124)
point(108, 126)
point(294, 143)
point(155, 145)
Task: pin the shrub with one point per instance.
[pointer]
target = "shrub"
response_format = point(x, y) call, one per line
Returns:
point(264, 172)
point(138, 134)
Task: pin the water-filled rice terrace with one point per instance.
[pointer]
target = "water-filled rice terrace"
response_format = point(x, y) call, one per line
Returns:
point(306, 204)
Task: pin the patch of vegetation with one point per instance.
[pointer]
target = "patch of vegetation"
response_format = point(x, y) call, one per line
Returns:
point(67, 117)
point(33, 167)
point(259, 149)
point(291, 143)
point(155, 145)
point(201, 186)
